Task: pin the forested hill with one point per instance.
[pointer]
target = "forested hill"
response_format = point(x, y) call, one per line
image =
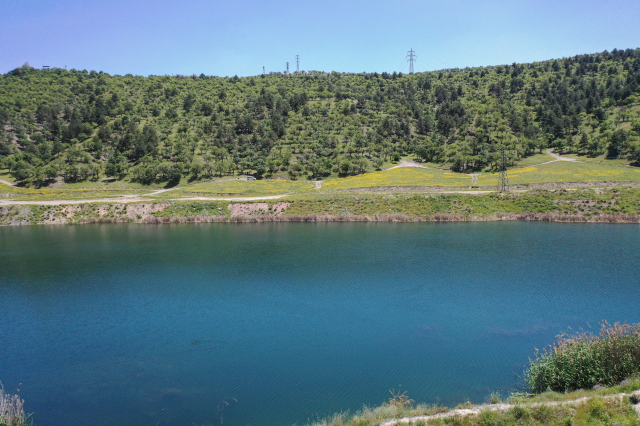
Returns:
point(83, 125)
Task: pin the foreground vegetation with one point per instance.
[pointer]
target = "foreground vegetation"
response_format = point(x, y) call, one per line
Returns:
point(584, 205)
point(12, 410)
point(78, 126)
point(584, 360)
point(580, 360)
point(587, 408)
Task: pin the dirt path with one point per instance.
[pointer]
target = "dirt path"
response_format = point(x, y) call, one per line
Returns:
point(318, 184)
point(405, 163)
point(133, 199)
point(160, 191)
point(502, 407)
point(7, 183)
point(269, 197)
point(557, 157)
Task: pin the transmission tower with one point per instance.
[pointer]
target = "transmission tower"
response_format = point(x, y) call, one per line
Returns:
point(297, 64)
point(287, 68)
point(503, 183)
point(411, 57)
point(263, 72)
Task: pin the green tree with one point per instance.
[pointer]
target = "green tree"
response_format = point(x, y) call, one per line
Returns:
point(617, 143)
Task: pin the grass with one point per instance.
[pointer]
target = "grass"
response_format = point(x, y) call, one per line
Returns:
point(586, 202)
point(530, 172)
point(65, 193)
point(196, 208)
point(613, 205)
point(534, 160)
point(239, 188)
point(565, 171)
point(598, 408)
point(398, 177)
point(601, 159)
point(583, 360)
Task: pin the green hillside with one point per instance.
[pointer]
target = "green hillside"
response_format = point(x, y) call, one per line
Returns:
point(84, 126)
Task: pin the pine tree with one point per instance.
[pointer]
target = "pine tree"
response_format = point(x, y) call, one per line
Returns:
point(584, 142)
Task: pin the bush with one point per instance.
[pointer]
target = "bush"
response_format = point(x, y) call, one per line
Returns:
point(11, 410)
point(583, 360)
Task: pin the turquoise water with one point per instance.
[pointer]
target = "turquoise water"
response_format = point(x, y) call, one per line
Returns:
point(272, 324)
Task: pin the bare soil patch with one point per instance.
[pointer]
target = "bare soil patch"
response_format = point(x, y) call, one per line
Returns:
point(239, 209)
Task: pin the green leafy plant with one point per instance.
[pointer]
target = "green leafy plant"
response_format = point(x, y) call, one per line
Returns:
point(583, 360)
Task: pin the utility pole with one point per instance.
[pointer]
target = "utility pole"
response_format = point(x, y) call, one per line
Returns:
point(263, 72)
point(287, 68)
point(503, 183)
point(297, 64)
point(411, 55)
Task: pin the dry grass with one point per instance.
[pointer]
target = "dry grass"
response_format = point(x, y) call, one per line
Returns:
point(11, 409)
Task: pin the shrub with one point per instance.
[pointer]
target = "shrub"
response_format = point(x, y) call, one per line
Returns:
point(11, 410)
point(584, 360)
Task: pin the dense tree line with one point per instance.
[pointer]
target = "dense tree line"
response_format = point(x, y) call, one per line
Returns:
point(82, 125)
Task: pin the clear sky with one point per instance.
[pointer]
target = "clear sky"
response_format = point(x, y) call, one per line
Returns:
point(232, 37)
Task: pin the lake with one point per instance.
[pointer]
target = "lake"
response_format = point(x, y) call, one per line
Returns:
point(280, 323)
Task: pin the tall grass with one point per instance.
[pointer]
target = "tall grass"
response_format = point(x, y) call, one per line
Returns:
point(583, 360)
point(11, 410)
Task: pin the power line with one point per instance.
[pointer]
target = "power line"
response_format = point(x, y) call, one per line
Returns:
point(411, 55)
point(297, 64)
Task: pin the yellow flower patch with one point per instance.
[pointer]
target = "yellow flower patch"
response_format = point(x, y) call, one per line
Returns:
point(401, 176)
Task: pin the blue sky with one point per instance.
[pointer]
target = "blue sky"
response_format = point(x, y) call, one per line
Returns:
point(241, 36)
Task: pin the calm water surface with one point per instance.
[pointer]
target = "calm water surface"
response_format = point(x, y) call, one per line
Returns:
point(170, 325)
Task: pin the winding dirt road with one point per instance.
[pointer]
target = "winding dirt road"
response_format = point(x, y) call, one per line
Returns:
point(133, 199)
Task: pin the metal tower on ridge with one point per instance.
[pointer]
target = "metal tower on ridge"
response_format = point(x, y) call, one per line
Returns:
point(411, 55)
point(297, 64)
point(287, 68)
point(503, 183)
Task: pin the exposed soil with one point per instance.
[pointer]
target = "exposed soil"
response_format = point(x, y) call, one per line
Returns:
point(119, 212)
point(248, 208)
point(559, 158)
point(280, 207)
point(405, 163)
point(240, 209)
